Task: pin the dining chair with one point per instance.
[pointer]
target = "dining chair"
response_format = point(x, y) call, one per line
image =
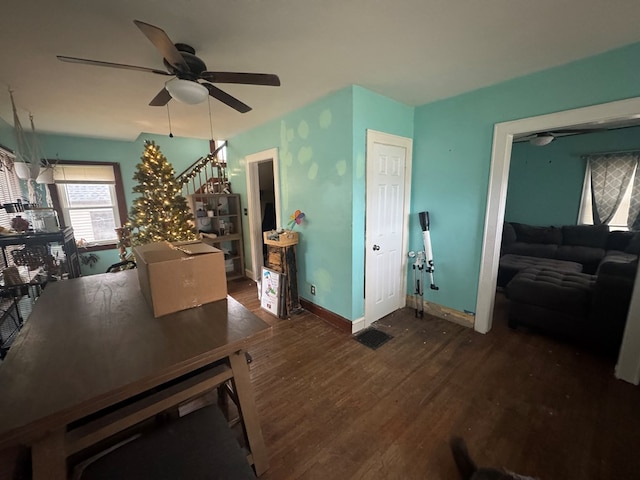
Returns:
point(199, 445)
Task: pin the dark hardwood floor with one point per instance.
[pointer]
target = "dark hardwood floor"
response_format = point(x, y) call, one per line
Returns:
point(333, 408)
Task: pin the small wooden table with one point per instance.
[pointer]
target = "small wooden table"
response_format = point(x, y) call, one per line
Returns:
point(92, 343)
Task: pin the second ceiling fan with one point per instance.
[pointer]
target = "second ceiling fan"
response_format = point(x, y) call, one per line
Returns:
point(192, 83)
point(545, 138)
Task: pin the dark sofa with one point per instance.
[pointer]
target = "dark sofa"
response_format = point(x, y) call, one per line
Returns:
point(574, 280)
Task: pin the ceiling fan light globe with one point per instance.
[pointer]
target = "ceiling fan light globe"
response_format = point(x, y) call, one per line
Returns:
point(187, 91)
point(541, 140)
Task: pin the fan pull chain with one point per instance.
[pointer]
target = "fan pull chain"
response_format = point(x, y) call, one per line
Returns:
point(212, 146)
point(169, 117)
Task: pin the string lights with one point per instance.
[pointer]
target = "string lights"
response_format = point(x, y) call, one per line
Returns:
point(160, 213)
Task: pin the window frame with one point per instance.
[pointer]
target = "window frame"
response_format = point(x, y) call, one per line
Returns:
point(585, 212)
point(119, 192)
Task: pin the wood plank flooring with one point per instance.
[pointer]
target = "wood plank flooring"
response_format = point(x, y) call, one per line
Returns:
point(333, 408)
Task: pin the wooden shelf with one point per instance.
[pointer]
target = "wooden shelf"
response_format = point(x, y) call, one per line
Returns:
point(229, 219)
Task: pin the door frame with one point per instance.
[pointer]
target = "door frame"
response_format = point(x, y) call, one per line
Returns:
point(628, 367)
point(374, 136)
point(253, 204)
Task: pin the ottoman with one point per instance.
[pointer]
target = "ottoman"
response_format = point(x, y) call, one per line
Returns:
point(554, 301)
point(511, 264)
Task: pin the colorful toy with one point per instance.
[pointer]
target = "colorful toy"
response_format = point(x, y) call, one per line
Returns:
point(295, 219)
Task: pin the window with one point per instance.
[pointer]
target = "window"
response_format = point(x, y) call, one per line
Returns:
point(90, 198)
point(9, 186)
point(616, 180)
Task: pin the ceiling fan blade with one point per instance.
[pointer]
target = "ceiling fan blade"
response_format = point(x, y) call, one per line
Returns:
point(163, 43)
point(268, 79)
point(524, 138)
point(224, 97)
point(161, 99)
point(99, 63)
point(577, 131)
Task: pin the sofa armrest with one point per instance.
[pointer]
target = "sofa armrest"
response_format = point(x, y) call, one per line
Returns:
point(508, 238)
point(610, 302)
point(617, 272)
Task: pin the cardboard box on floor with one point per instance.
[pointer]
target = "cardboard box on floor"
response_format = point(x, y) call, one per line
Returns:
point(181, 275)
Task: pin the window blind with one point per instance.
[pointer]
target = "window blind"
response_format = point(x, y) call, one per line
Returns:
point(83, 174)
point(9, 186)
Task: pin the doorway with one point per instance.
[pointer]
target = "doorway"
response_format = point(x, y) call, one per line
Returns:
point(628, 367)
point(263, 203)
point(388, 195)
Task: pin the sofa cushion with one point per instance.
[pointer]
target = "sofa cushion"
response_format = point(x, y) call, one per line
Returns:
point(508, 234)
point(618, 240)
point(585, 235)
point(522, 262)
point(589, 257)
point(535, 234)
point(539, 250)
point(616, 256)
point(621, 270)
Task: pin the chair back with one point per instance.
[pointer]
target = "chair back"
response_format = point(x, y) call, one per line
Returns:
point(124, 265)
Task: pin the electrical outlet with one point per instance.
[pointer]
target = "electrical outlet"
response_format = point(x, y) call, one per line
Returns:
point(313, 289)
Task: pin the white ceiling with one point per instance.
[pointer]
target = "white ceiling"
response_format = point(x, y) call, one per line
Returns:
point(414, 51)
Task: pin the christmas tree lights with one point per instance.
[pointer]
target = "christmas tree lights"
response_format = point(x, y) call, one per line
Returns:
point(161, 212)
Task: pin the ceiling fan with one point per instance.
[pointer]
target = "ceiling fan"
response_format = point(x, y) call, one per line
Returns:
point(545, 138)
point(192, 83)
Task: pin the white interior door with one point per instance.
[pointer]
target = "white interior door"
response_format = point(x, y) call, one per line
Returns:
point(253, 205)
point(386, 224)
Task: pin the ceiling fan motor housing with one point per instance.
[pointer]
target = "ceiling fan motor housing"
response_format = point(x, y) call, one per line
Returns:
point(196, 66)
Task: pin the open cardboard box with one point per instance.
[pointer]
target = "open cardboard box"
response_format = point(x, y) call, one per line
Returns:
point(181, 275)
point(284, 239)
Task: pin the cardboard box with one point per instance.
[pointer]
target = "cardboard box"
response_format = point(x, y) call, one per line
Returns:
point(181, 275)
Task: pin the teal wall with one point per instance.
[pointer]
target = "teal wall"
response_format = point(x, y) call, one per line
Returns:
point(545, 183)
point(322, 173)
point(371, 111)
point(7, 137)
point(452, 155)
point(316, 176)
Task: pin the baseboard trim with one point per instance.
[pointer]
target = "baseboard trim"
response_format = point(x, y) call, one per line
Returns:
point(331, 318)
point(358, 325)
point(446, 313)
point(341, 323)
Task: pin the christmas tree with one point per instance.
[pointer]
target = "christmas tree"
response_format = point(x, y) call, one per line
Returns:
point(161, 212)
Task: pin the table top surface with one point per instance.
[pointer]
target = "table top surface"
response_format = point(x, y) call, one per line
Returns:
point(92, 341)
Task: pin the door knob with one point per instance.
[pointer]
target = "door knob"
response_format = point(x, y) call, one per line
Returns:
point(376, 248)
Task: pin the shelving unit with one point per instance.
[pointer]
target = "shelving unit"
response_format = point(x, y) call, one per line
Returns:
point(281, 257)
point(218, 218)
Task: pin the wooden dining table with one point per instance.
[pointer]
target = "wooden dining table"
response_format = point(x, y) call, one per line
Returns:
point(92, 361)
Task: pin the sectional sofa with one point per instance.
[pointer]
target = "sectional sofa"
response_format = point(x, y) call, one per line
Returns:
point(574, 280)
